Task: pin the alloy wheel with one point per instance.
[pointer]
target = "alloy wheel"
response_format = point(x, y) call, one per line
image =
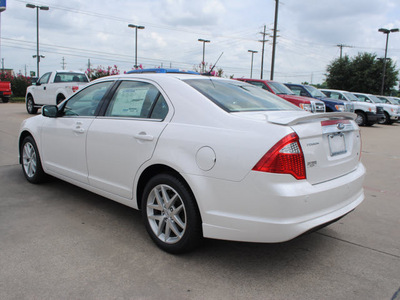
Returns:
point(166, 214)
point(29, 159)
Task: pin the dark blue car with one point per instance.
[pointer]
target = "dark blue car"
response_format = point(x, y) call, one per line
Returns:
point(312, 92)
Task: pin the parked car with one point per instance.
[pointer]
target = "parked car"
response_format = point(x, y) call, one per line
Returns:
point(200, 156)
point(312, 92)
point(396, 100)
point(389, 100)
point(5, 91)
point(279, 89)
point(391, 112)
point(367, 113)
point(53, 87)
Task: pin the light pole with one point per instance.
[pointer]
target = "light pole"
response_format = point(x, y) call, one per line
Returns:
point(136, 28)
point(204, 48)
point(387, 32)
point(37, 33)
point(274, 40)
point(252, 55)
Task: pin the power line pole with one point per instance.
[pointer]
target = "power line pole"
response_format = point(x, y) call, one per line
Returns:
point(263, 41)
point(63, 63)
point(341, 46)
point(274, 40)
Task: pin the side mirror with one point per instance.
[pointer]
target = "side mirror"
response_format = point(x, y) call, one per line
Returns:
point(50, 111)
point(37, 83)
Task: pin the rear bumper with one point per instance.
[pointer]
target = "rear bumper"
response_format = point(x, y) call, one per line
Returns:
point(274, 208)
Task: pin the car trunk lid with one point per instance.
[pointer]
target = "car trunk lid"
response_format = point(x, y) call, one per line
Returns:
point(331, 142)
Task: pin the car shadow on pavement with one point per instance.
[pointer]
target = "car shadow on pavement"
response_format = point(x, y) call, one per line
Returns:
point(120, 224)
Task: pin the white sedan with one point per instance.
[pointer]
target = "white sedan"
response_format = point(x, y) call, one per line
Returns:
point(200, 157)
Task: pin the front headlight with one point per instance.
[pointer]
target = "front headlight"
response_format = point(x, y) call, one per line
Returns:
point(306, 107)
point(339, 107)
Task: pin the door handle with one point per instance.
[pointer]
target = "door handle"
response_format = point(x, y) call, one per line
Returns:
point(143, 136)
point(78, 128)
point(44, 88)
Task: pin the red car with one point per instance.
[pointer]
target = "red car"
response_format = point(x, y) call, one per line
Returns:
point(284, 92)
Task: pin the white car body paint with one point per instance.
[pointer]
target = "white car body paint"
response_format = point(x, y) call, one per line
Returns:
point(235, 202)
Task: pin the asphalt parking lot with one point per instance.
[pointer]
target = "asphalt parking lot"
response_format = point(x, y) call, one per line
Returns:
point(58, 241)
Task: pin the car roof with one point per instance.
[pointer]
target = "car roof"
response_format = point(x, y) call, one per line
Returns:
point(333, 90)
point(70, 71)
point(160, 77)
point(162, 70)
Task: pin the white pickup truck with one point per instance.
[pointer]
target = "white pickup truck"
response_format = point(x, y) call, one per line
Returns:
point(53, 87)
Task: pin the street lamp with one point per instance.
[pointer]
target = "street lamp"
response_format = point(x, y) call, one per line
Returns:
point(204, 48)
point(136, 28)
point(252, 54)
point(37, 32)
point(387, 32)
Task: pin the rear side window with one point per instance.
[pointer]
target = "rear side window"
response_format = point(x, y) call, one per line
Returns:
point(237, 96)
point(135, 99)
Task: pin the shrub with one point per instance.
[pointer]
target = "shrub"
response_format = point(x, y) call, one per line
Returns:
point(19, 83)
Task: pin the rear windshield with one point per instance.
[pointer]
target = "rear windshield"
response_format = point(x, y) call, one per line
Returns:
point(70, 77)
point(237, 96)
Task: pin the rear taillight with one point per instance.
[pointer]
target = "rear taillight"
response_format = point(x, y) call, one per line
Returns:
point(75, 88)
point(285, 157)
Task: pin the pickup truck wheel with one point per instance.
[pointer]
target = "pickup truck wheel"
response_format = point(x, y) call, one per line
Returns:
point(30, 105)
point(5, 99)
point(361, 119)
point(387, 119)
point(60, 98)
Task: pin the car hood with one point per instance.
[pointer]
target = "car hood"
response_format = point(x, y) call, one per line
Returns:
point(335, 101)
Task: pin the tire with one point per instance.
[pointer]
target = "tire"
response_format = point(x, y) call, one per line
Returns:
point(31, 163)
point(361, 119)
point(170, 213)
point(60, 98)
point(5, 99)
point(387, 119)
point(30, 105)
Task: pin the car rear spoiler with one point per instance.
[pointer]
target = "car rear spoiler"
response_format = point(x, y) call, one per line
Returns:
point(294, 120)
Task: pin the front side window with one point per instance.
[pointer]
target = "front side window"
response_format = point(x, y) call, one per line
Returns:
point(298, 91)
point(314, 92)
point(259, 84)
point(45, 78)
point(237, 96)
point(134, 99)
point(351, 96)
point(362, 98)
point(87, 100)
point(336, 96)
point(375, 99)
point(280, 89)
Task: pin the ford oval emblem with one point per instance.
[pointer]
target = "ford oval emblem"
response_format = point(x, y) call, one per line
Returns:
point(340, 126)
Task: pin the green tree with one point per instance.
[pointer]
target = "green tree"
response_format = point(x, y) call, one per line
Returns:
point(362, 73)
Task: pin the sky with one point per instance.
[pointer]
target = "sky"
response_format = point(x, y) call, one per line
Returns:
point(78, 31)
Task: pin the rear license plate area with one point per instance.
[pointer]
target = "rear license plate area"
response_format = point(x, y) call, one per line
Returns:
point(337, 144)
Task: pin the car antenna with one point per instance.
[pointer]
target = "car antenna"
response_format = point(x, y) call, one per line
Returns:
point(212, 68)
